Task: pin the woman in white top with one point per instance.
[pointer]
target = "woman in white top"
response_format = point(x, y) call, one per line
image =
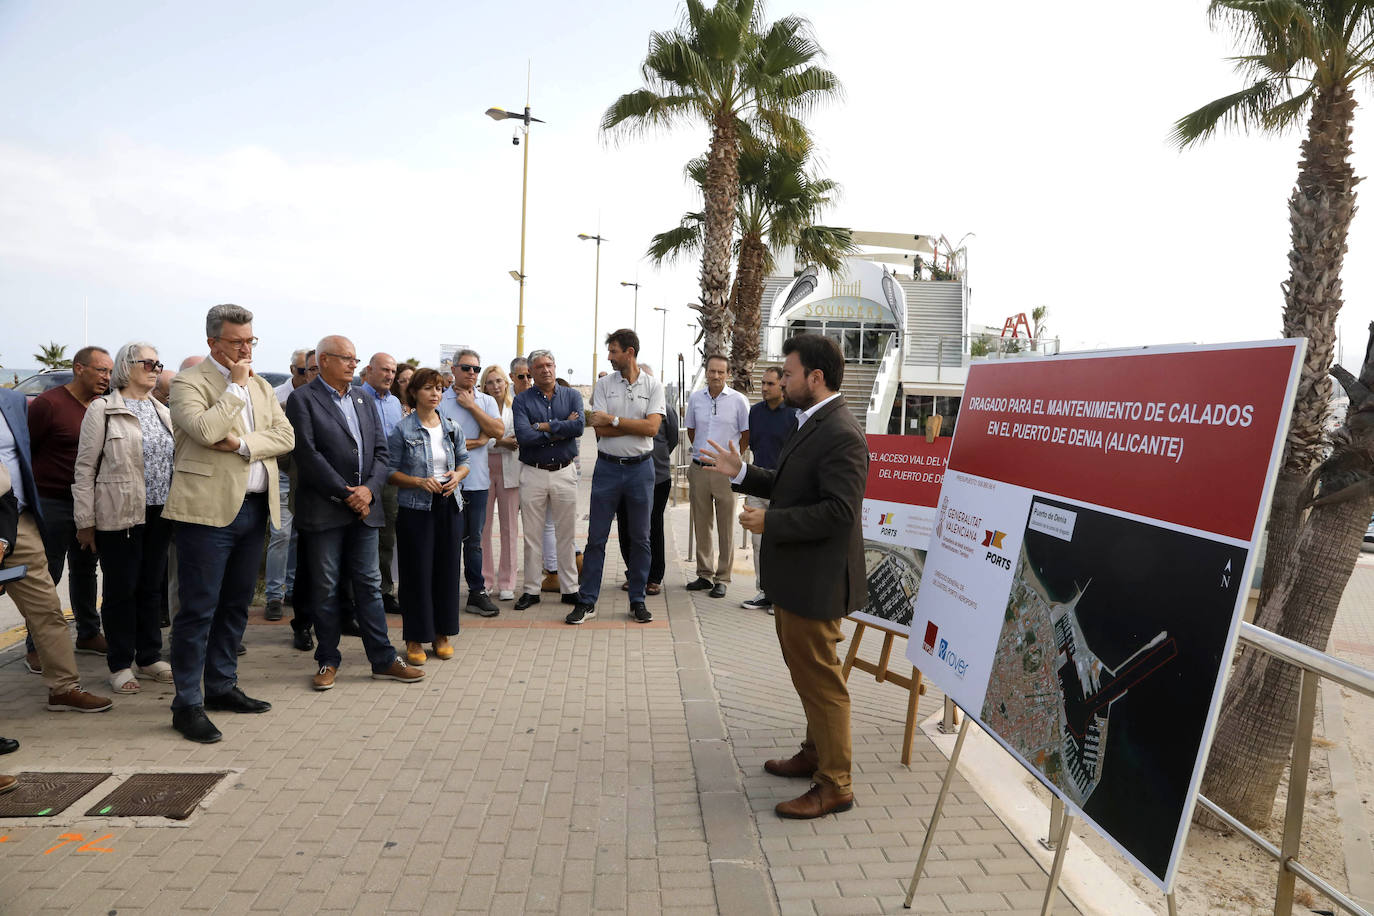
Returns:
point(427, 459)
point(503, 459)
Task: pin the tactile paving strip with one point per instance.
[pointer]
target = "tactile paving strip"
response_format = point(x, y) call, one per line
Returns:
point(169, 795)
point(46, 794)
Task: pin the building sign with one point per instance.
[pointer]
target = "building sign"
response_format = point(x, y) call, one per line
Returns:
point(904, 476)
point(850, 308)
point(1089, 564)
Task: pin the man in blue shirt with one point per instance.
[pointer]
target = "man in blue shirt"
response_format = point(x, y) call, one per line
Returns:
point(770, 423)
point(548, 424)
point(479, 417)
point(377, 379)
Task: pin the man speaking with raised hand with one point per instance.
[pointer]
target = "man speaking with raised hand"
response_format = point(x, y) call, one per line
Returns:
point(811, 559)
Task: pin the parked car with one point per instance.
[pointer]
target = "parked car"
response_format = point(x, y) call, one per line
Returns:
point(1369, 532)
point(35, 385)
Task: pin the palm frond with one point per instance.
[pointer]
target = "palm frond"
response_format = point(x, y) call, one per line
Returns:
point(1242, 110)
point(635, 113)
point(685, 239)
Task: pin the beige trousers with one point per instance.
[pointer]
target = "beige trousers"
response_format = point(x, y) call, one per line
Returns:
point(808, 648)
point(712, 502)
point(756, 540)
point(554, 493)
point(36, 597)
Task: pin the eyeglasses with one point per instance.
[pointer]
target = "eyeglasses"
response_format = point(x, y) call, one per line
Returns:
point(239, 343)
point(151, 365)
point(524, 377)
point(299, 370)
point(349, 360)
point(466, 368)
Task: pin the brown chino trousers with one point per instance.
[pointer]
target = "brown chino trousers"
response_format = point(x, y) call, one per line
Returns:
point(808, 648)
point(37, 599)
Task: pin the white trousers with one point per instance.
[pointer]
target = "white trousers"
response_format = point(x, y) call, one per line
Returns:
point(549, 494)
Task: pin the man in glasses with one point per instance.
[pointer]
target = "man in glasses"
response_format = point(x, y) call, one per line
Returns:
point(521, 380)
point(54, 430)
point(479, 417)
point(718, 414)
point(341, 460)
point(281, 546)
point(229, 429)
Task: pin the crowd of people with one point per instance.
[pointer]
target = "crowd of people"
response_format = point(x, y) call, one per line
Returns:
point(174, 483)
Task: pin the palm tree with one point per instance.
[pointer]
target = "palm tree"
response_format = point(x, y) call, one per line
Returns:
point(779, 199)
point(51, 356)
point(1302, 58)
point(725, 68)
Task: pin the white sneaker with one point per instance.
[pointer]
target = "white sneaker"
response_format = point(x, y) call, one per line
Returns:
point(505, 595)
point(759, 602)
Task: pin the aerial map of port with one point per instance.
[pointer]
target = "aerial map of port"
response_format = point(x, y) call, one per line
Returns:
point(1107, 659)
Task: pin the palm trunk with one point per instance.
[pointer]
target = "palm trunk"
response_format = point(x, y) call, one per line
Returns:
point(744, 337)
point(721, 191)
point(1311, 554)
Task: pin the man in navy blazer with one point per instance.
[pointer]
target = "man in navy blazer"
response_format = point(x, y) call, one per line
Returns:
point(35, 594)
point(340, 458)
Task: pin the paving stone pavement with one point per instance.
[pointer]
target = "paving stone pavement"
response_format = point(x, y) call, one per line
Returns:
point(612, 767)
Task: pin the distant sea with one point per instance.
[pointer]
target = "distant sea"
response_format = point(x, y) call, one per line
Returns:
point(7, 375)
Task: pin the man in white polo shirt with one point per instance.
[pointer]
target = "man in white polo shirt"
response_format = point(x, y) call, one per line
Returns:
point(718, 414)
point(627, 408)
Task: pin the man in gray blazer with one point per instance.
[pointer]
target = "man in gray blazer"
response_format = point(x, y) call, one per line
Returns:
point(340, 458)
point(811, 559)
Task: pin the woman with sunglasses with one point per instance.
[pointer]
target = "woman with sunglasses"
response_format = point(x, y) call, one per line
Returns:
point(123, 474)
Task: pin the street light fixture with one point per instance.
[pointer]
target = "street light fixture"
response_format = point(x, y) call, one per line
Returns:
point(636, 286)
point(663, 341)
point(596, 296)
point(500, 114)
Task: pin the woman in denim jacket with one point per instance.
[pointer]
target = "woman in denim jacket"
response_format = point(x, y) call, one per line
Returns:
point(428, 459)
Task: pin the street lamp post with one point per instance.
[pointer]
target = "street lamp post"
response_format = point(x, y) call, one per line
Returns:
point(500, 114)
point(663, 340)
point(596, 296)
point(636, 286)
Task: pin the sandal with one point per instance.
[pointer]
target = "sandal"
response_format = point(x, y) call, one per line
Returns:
point(653, 588)
point(123, 681)
point(159, 671)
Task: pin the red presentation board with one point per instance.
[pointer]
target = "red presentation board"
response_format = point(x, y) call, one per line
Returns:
point(1089, 563)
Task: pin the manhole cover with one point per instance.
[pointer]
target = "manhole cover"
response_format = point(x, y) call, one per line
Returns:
point(46, 794)
point(170, 795)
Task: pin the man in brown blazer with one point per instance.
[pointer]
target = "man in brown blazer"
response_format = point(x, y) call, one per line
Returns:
point(229, 429)
point(811, 559)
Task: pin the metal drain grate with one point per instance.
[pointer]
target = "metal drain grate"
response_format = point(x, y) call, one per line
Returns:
point(170, 795)
point(46, 794)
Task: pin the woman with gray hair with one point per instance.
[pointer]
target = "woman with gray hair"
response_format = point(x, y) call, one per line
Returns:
point(123, 474)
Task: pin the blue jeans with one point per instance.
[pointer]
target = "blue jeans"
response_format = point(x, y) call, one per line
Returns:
point(611, 483)
point(281, 548)
point(474, 520)
point(217, 571)
point(348, 550)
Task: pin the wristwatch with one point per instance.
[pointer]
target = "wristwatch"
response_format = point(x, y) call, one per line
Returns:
point(615, 421)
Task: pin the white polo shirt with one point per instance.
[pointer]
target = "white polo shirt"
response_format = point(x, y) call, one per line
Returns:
point(617, 397)
point(720, 419)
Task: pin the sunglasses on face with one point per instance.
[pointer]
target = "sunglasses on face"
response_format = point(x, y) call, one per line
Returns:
point(523, 376)
point(299, 370)
point(467, 368)
point(151, 365)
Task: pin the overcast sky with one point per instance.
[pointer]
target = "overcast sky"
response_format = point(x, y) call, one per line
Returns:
point(328, 165)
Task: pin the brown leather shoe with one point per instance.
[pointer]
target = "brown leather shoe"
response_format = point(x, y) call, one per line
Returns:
point(821, 799)
point(8, 784)
point(400, 671)
point(93, 645)
point(550, 583)
point(324, 680)
point(800, 765)
point(77, 700)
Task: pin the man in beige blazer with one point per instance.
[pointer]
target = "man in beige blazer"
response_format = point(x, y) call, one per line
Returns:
point(229, 429)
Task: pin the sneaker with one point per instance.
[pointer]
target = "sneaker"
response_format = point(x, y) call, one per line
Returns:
point(581, 614)
point(699, 584)
point(273, 610)
point(505, 595)
point(32, 663)
point(481, 603)
point(399, 671)
point(640, 613)
point(325, 679)
point(93, 645)
point(759, 602)
point(77, 700)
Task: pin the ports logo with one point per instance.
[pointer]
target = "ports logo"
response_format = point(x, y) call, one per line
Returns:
point(993, 538)
point(886, 518)
point(929, 642)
